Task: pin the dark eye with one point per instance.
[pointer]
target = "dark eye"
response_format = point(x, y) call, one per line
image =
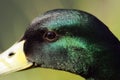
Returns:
point(50, 36)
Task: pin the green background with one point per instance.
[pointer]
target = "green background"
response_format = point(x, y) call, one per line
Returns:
point(15, 16)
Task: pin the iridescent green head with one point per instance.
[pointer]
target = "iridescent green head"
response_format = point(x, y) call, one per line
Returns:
point(69, 40)
point(73, 41)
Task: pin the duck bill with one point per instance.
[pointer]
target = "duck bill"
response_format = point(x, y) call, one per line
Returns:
point(14, 59)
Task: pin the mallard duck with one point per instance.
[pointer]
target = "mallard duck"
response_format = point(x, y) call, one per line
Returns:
point(68, 40)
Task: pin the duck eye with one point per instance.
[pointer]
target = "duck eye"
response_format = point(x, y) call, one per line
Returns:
point(50, 36)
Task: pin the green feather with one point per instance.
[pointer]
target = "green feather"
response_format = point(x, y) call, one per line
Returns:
point(84, 45)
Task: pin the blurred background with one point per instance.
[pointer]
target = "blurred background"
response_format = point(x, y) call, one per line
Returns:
point(15, 15)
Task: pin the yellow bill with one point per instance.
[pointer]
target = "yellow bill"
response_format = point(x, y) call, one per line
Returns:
point(13, 59)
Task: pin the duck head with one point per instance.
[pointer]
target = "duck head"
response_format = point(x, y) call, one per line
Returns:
point(68, 40)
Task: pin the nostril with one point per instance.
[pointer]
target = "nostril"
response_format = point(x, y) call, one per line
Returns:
point(11, 54)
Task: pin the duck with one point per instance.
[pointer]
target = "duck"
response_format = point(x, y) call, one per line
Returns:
point(69, 40)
